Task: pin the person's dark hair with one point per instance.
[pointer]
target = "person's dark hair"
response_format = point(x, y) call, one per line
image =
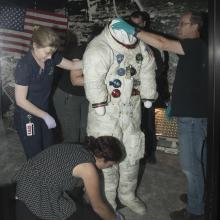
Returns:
point(144, 16)
point(95, 31)
point(107, 147)
point(197, 18)
point(70, 44)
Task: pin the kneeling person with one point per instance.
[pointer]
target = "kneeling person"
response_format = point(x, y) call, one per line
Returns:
point(42, 182)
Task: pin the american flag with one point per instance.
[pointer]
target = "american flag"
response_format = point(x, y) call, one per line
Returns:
point(16, 25)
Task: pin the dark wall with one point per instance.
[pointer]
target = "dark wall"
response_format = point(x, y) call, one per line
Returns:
point(213, 198)
point(40, 4)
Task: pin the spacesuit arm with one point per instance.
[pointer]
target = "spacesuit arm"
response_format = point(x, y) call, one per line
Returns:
point(96, 63)
point(148, 87)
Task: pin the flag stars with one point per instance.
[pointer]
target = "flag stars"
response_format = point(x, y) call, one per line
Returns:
point(12, 18)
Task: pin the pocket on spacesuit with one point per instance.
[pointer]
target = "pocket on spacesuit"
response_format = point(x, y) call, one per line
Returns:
point(135, 146)
point(126, 90)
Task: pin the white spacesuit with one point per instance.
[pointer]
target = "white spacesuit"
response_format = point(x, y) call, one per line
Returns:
point(119, 72)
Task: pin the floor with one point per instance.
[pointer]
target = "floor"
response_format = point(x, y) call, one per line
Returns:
point(160, 186)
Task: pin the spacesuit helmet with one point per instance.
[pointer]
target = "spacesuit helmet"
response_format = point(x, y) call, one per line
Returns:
point(121, 36)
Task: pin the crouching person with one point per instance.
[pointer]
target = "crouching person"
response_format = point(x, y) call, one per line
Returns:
point(43, 181)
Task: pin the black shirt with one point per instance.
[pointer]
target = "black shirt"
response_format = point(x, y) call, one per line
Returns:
point(190, 89)
point(42, 182)
point(64, 80)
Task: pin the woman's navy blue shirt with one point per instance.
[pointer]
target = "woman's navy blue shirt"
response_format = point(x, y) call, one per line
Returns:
point(39, 81)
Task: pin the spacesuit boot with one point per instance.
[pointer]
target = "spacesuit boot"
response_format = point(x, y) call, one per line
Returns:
point(127, 187)
point(111, 178)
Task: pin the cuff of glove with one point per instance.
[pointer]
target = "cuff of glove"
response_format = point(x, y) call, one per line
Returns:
point(100, 110)
point(148, 102)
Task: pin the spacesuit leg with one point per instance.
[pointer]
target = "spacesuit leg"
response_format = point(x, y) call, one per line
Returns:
point(111, 178)
point(133, 140)
point(127, 187)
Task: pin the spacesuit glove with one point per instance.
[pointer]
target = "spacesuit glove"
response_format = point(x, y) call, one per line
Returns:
point(123, 25)
point(119, 216)
point(148, 104)
point(50, 121)
point(100, 110)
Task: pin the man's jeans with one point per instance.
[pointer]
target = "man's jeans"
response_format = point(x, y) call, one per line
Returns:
point(193, 153)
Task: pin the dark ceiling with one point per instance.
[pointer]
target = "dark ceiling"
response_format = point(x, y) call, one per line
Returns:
point(40, 4)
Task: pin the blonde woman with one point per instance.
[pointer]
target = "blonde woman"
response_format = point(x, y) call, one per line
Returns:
point(33, 83)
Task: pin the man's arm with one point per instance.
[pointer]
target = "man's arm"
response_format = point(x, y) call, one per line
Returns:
point(160, 42)
point(153, 40)
point(76, 77)
point(75, 68)
point(70, 65)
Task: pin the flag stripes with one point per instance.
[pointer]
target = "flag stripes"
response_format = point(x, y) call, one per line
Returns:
point(16, 26)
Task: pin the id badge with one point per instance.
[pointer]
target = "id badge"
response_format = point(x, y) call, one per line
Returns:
point(30, 129)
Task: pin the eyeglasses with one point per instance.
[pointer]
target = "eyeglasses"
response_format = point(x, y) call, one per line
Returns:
point(181, 24)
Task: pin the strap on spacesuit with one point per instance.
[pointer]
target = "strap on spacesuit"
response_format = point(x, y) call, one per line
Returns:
point(101, 104)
